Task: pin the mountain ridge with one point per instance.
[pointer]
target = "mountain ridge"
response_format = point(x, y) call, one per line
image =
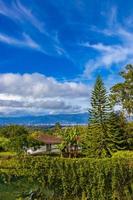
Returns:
point(79, 118)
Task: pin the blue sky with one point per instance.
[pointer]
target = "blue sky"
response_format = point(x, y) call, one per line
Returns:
point(51, 51)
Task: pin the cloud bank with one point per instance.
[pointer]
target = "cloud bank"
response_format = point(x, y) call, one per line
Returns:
point(38, 94)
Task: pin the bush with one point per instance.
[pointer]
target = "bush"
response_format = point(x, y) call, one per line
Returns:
point(4, 142)
point(123, 154)
point(97, 179)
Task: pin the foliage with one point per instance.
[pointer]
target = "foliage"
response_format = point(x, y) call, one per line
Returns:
point(107, 131)
point(13, 131)
point(18, 138)
point(99, 116)
point(122, 93)
point(4, 143)
point(7, 153)
point(33, 141)
point(123, 154)
point(57, 128)
point(99, 104)
point(117, 132)
point(95, 179)
point(70, 141)
point(129, 130)
point(18, 143)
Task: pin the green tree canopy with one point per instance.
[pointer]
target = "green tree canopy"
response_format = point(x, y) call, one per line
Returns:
point(122, 93)
point(13, 130)
point(70, 141)
point(117, 131)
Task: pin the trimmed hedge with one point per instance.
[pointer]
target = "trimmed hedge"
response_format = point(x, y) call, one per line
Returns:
point(123, 154)
point(82, 178)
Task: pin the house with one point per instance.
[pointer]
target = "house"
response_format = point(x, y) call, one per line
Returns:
point(51, 143)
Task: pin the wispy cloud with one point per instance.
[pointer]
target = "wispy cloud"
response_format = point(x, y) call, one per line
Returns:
point(26, 41)
point(108, 55)
point(18, 12)
point(23, 15)
point(113, 54)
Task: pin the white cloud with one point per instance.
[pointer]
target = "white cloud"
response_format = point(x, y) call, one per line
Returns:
point(108, 55)
point(120, 53)
point(18, 12)
point(26, 41)
point(36, 93)
point(23, 15)
point(38, 85)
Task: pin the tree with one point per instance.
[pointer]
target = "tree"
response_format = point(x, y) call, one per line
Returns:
point(13, 131)
point(100, 106)
point(117, 132)
point(99, 116)
point(18, 136)
point(130, 134)
point(70, 141)
point(33, 141)
point(122, 93)
point(57, 128)
point(18, 143)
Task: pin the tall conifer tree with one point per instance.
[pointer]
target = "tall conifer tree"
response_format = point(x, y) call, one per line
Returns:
point(100, 106)
point(99, 116)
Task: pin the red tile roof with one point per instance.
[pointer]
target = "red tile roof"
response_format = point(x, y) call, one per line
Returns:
point(49, 139)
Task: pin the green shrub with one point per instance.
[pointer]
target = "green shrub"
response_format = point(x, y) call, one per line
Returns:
point(123, 154)
point(4, 142)
point(97, 179)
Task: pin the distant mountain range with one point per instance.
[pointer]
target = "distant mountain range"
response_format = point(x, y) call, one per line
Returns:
point(65, 119)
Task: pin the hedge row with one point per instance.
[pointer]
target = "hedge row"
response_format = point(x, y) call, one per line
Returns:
point(95, 179)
